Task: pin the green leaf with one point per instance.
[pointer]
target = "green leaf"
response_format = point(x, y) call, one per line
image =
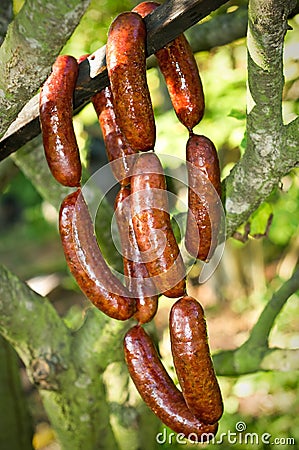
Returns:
point(237, 114)
point(260, 220)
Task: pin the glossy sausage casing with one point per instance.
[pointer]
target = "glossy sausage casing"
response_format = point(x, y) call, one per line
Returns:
point(179, 68)
point(157, 388)
point(135, 271)
point(56, 112)
point(192, 360)
point(117, 148)
point(126, 65)
point(152, 226)
point(204, 202)
point(86, 262)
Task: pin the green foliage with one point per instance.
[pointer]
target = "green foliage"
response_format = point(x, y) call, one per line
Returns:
point(260, 220)
point(91, 33)
point(285, 203)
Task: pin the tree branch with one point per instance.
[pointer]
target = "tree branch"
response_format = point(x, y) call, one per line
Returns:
point(267, 157)
point(91, 347)
point(32, 42)
point(261, 330)
point(220, 30)
point(68, 367)
point(255, 355)
point(130, 418)
point(128, 412)
point(230, 363)
point(46, 347)
point(27, 331)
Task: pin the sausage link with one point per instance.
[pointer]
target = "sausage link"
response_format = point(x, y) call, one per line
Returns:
point(117, 147)
point(192, 360)
point(204, 212)
point(152, 226)
point(82, 58)
point(137, 278)
point(179, 68)
point(157, 388)
point(56, 112)
point(86, 262)
point(126, 64)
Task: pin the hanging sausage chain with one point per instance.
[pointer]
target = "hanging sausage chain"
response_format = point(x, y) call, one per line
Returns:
point(126, 118)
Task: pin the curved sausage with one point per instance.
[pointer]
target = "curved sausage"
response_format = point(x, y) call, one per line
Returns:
point(117, 147)
point(179, 68)
point(157, 388)
point(204, 212)
point(137, 278)
point(56, 112)
point(192, 360)
point(86, 262)
point(126, 65)
point(151, 222)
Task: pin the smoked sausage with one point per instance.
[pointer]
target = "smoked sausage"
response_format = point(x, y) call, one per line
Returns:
point(126, 65)
point(204, 192)
point(56, 112)
point(151, 222)
point(117, 148)
point(179, 68)
point(135, 271)
point(158, 390)
point(86, 262)
point(192, 360)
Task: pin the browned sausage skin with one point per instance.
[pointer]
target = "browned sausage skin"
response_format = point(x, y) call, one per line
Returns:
point(157, 388)
point(152, 226)
point(179, 68)
point(56, 112)
point(126, 65)
point(117, 147)
point(135, 271)
point(192, 360)
point(86, 262)
point(145, 8)
point(204, 213)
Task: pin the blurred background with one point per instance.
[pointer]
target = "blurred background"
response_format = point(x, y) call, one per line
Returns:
point(249, 272)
